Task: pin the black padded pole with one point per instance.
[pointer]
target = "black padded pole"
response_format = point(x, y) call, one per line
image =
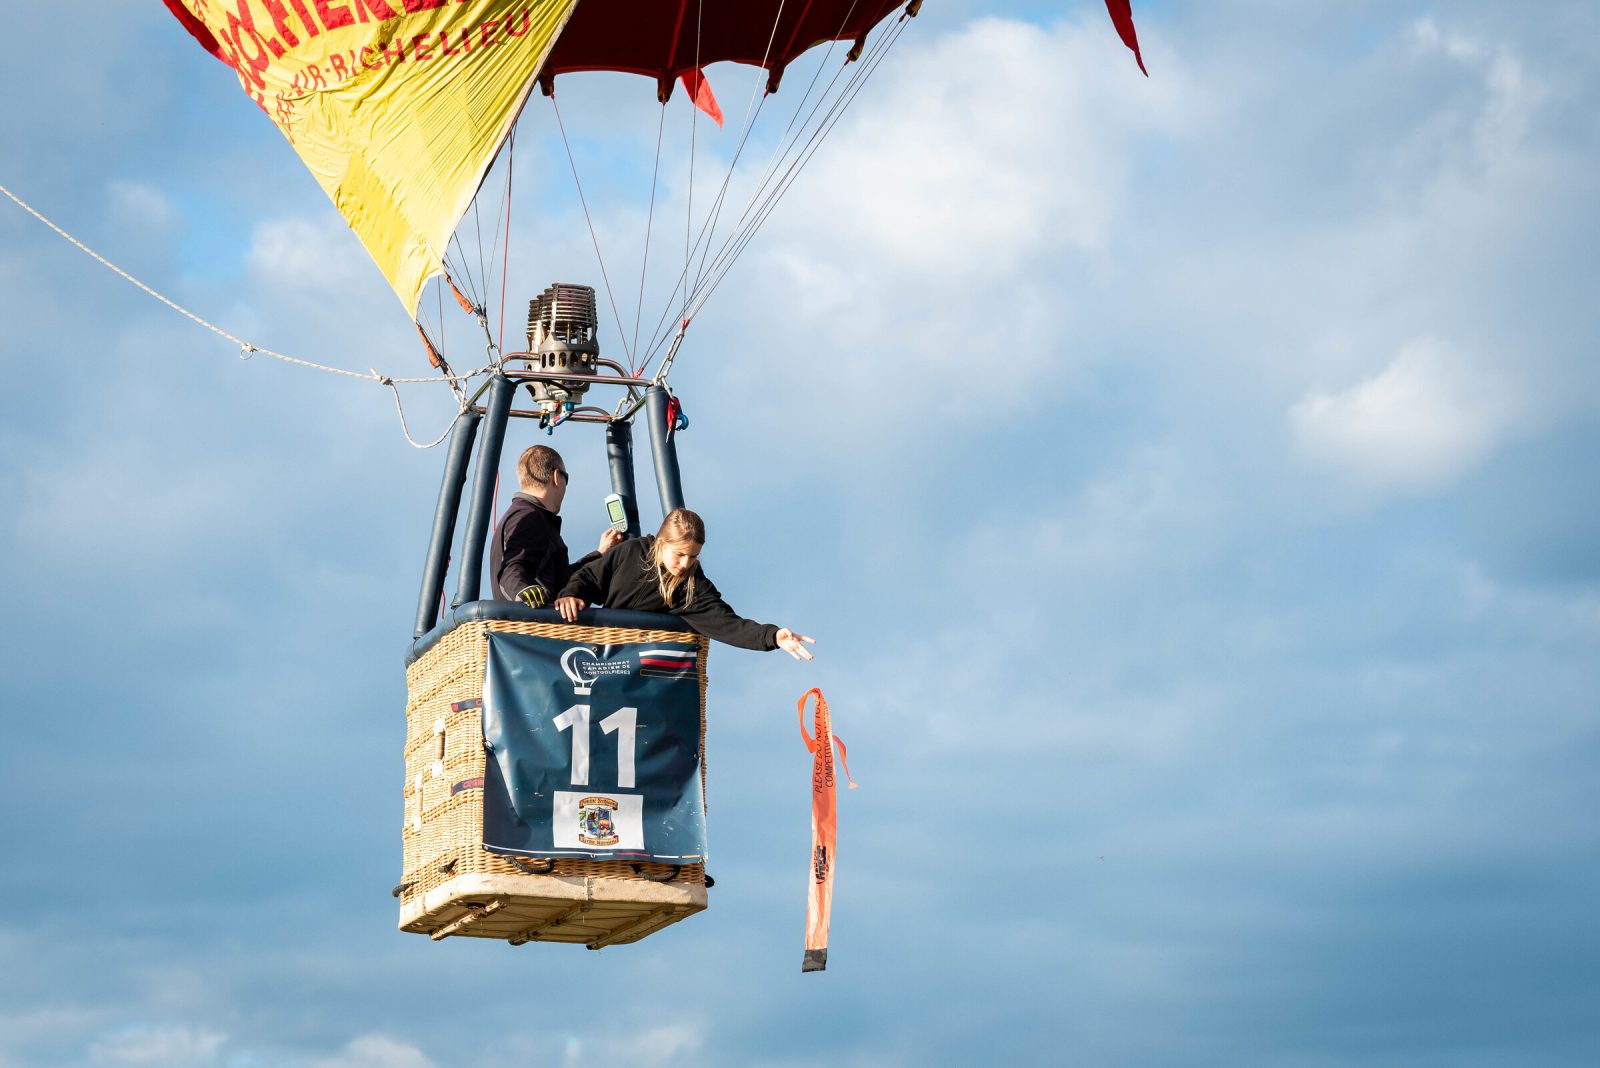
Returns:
point(498, 408)
point(444, 520)
point(665, 448)
point(619, 457)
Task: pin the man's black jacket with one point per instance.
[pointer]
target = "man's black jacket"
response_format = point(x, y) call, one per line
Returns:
point(528, 554)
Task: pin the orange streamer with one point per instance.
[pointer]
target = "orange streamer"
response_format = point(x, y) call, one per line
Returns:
point(824, 829)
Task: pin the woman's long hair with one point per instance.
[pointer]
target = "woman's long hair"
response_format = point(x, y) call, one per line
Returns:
point(681, 527)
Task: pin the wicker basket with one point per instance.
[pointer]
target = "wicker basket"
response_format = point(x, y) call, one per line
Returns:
point(451, 884)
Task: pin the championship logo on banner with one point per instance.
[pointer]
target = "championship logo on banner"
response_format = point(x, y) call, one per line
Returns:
point(594, 750)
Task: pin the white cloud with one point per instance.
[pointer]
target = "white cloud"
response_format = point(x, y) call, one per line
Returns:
point(939, 236)
point(1499, 129)
point(974, 151)
point(137, 204)
point(376, 1051)
point(301, 253)
point(1123, 520)
point(166, 1046)
point(1417, 424)
point(59, 513)
point(1431, 37)
point(1041, 659)
point(926, 175)
point(668, 1044)
point(26, 1026)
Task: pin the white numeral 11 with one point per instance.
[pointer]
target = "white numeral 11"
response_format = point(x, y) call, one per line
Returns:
point(625, 720)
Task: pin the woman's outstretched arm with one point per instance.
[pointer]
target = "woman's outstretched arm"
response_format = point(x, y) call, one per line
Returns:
point(711, 615)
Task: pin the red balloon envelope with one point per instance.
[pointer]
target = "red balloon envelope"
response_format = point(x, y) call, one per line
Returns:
point(666, 40)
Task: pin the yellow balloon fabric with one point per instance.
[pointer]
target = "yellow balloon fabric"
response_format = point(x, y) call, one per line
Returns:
point(397, 106)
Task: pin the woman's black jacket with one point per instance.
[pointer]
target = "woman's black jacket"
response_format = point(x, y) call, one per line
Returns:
point(625, 577)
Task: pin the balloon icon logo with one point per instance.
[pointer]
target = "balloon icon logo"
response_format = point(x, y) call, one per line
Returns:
point(574, 670)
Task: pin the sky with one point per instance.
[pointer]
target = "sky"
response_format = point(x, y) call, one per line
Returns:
point(1189, 483)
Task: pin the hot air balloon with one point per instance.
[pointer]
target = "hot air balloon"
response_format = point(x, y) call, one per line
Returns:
point(555, 773)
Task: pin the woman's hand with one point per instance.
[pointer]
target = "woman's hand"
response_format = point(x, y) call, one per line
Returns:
point(609, 538)
point(788, 641)
point(569, 607)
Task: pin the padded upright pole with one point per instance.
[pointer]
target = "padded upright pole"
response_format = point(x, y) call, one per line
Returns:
point(444, 520)
point(665, 448)
point(619, 457)
point(498, 408)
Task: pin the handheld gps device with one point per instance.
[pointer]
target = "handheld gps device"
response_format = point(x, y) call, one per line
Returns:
point(616, 513)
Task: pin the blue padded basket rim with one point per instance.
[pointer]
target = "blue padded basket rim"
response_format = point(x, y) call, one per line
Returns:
point(483, 611)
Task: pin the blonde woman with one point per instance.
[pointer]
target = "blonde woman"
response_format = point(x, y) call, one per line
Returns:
point(662, 574)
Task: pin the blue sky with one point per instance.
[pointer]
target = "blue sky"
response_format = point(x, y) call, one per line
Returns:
point(1189, 482)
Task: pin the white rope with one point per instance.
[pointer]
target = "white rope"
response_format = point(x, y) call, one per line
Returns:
point(402, 413)
point(246, 349)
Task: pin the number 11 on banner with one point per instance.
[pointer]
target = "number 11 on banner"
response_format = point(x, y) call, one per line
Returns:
point(623, 720)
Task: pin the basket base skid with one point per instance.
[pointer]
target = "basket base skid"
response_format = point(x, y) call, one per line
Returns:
point(591, 911)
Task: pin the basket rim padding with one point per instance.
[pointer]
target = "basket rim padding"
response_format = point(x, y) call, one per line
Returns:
point(511, 611)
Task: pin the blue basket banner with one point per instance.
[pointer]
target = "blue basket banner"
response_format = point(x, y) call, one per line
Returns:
point(594, 750)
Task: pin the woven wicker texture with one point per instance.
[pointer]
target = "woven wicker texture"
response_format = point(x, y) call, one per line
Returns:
point(451, 885)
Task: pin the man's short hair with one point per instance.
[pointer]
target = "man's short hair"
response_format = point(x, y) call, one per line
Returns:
point(536, 464)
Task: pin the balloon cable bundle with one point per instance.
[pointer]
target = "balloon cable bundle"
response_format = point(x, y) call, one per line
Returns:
point(824, 829)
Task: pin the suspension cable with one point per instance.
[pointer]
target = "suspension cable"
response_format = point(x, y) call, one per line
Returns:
point(246, 349)
point(688, 213)
point(752, 111)
point(593, 237)
point(505, 263)
point(782, 146)
point(703, 239)
point(649, 226)
point(737, 243)
point(777, 178)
